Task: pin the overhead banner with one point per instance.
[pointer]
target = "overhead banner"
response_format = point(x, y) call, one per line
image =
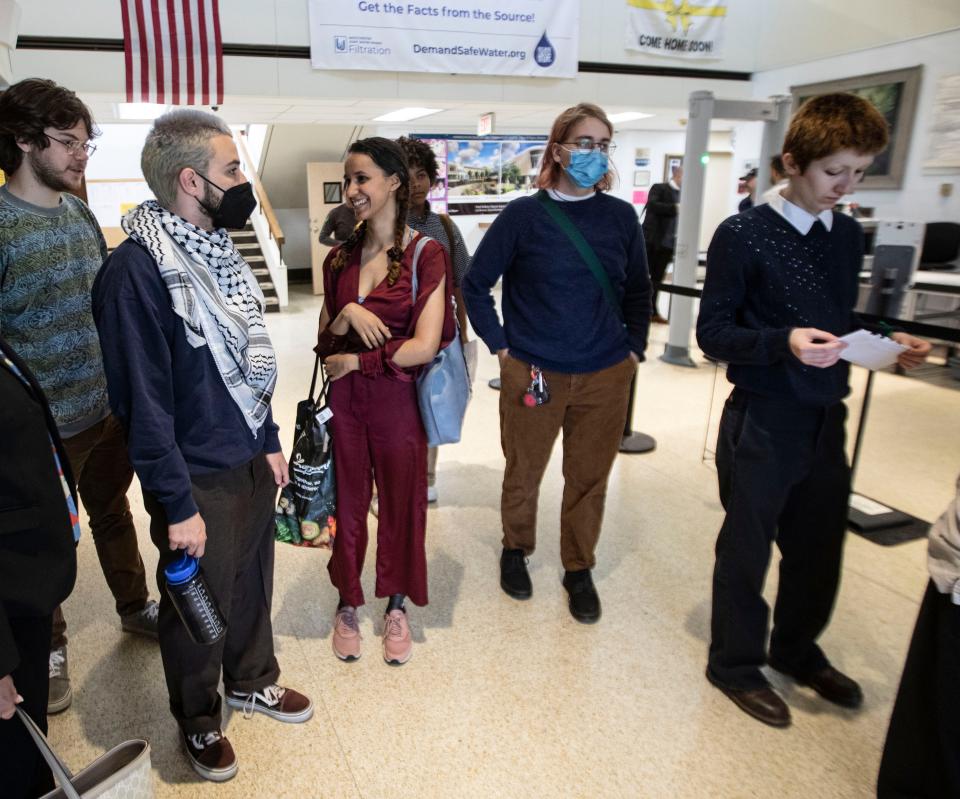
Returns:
point(677, 29)
point(480, 176)
point(529, 38)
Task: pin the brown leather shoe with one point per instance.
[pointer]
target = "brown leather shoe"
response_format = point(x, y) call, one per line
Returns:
point(832, 684)
point(764, 704)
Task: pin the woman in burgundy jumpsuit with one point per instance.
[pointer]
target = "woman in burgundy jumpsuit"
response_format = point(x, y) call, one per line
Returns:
point(374, 337)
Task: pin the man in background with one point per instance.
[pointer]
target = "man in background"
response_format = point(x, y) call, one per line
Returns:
point(338, 225)
point(660, 231)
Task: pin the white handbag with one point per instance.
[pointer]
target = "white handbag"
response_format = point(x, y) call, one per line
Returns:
point(122, 773)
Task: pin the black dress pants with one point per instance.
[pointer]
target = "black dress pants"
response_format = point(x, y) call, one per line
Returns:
point(658, 259)
point(237, 508)
point(922, 755)
point(23, 771)
point(783, 477)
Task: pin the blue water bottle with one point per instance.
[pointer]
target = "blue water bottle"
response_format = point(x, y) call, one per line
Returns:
point(196, 605)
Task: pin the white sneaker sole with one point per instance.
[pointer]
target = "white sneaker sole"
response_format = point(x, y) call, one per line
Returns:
point(61, 704)
point(212, 774)
point(345, 658)
point(397, 661)
point(290, 718)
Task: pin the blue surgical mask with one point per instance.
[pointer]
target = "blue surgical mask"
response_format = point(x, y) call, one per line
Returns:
point(586, 169)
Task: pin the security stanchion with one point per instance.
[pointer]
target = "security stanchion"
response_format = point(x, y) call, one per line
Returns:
point(635, 443)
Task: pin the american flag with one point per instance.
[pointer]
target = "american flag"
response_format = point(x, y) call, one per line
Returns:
point(173, 51)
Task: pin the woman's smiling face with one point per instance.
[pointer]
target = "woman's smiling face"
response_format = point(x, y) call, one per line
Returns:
point(368, 189)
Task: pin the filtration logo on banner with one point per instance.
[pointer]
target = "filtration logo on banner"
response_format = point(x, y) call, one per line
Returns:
point(677, 28)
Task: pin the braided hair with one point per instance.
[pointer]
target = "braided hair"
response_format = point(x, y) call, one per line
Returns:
point(389, 157)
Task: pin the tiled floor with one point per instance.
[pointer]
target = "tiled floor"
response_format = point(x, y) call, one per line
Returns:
point(506, 698)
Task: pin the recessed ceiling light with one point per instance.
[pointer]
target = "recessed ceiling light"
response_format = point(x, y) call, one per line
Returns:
point(141, 110)
point(627, 116)
point(406, 114)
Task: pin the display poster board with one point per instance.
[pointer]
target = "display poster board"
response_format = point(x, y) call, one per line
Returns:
point(480, 176)
point(529, 38)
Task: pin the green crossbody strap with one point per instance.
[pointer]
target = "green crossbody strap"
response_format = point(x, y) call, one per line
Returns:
point(584, 248)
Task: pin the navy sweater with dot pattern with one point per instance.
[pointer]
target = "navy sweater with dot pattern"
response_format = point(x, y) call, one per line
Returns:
point(765, 278)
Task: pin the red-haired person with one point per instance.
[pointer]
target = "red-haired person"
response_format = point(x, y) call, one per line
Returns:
point(374, 337)
point(576, 310)
point(782, 282)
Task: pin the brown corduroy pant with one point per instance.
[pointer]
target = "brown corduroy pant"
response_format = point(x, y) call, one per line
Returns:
point(591, 409)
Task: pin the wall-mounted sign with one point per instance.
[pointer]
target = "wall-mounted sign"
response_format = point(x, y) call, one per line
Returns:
point(480, 176)
point(529, 38)
point(680, 30)
point(485, 124)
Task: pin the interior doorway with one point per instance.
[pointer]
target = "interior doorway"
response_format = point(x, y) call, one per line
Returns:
point(324, 193)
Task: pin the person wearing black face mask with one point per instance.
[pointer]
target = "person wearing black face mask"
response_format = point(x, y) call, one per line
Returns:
point(190, 372)
point(235, 206)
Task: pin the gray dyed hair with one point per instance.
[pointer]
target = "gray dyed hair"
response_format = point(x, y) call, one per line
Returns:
point(179, 139)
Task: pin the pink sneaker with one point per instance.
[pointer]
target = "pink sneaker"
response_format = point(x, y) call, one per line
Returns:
point(397, 644)
point(346, 634)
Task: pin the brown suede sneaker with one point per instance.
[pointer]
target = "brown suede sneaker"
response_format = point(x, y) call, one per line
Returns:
point(277, 702)
point(211, 755)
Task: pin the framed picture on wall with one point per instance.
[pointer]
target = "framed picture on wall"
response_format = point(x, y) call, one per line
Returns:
point(332, 193)
point(671, 162)
point(641, 178)
point(894, 93)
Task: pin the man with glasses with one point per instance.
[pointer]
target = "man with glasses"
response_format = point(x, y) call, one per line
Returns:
point(50, 252)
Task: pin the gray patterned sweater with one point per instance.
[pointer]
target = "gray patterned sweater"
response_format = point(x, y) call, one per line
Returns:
point(49, 258)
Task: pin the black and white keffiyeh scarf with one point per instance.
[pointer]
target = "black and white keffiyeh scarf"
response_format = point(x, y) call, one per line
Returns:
point(217, 296)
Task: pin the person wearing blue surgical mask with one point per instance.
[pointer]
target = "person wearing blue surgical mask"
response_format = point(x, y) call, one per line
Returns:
point(576, 310)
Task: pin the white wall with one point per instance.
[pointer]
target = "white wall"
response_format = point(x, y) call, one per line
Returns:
point(803, 30)
point(295, 223)
point(919, 199)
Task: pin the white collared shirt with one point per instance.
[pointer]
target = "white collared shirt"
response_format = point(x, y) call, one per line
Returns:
point(799, 218)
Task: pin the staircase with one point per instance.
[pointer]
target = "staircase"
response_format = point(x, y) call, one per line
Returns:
point(246, 243)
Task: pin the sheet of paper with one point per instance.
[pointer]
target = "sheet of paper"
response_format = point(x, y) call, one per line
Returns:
point(870, 350)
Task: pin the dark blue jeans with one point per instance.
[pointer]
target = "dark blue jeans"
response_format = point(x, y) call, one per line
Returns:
point(783, 477)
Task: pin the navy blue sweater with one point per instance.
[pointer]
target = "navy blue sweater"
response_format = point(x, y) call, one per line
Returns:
point(555, 314)
point(763, 279)
point(170, 396)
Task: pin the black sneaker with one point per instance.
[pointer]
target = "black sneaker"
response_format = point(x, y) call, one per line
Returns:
point(211, 755)
point(514, 579)
point(584, 602)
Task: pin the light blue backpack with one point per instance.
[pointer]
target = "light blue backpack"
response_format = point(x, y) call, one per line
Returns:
point(443, 388)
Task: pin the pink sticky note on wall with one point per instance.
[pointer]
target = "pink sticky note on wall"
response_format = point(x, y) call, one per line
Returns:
point(639, 198)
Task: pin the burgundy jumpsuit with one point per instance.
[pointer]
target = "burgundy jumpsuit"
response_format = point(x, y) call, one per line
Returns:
point(376, 424)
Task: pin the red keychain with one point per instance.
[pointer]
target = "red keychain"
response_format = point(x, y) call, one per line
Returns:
point(537, 393)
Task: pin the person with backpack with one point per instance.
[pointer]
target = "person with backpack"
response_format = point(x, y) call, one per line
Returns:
point(375, 334)
point(423, 175)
